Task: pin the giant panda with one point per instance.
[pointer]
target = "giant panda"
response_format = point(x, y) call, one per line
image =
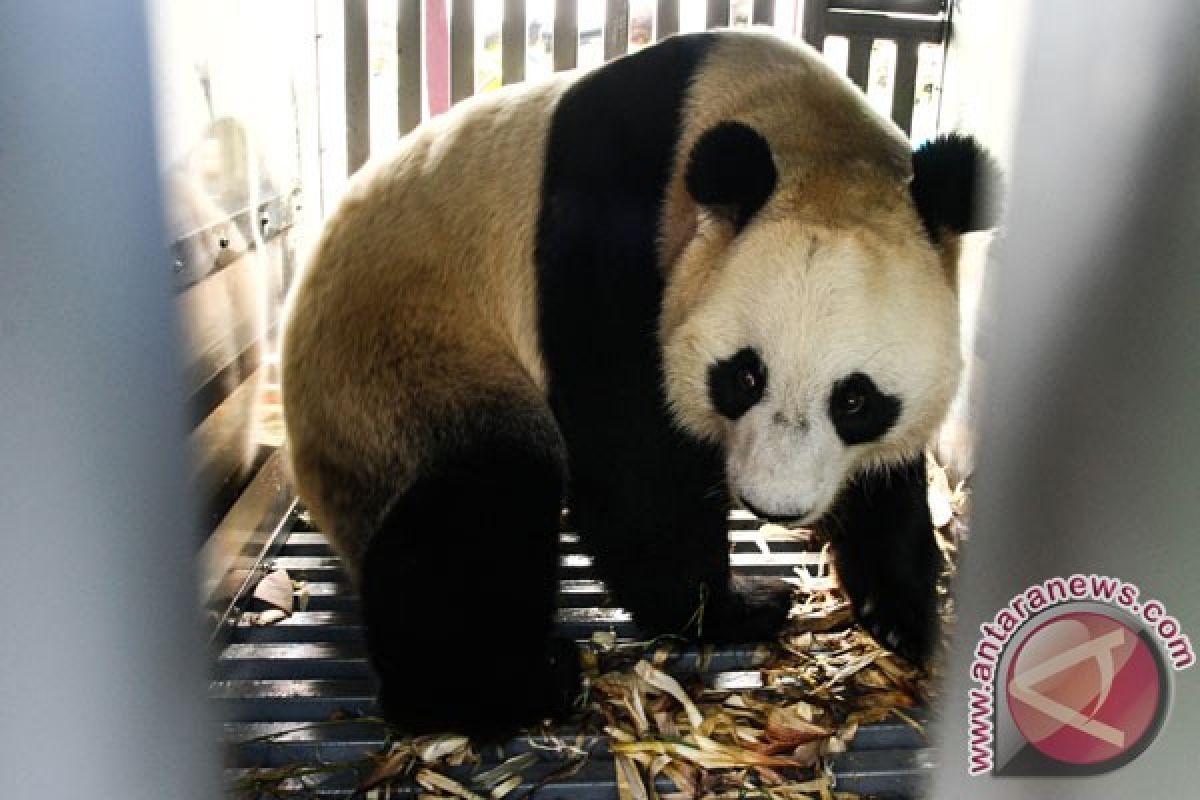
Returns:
point(705, 273)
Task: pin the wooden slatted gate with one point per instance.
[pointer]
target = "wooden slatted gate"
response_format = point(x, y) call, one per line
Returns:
point(424, 38)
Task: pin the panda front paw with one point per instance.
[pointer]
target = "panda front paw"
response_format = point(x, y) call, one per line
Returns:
point(753, 610)
point(564, 676)
point(488, 705)
point(887, 559)
point(903, 622)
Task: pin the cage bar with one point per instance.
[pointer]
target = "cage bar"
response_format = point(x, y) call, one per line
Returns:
point(666, 18)
point(904, 87)
point(718, 14)
point(408, 66)
point(358, 101)
point(462, 50)
point(929, 7)
point(763, 12)
point(566, 34)
point(512, 42)
point(616, 28)
point(858, 61)
point(812, 27)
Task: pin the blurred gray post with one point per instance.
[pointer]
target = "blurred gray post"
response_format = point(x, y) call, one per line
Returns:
point(356, 38)
point(1090, 447)
point(103, 664)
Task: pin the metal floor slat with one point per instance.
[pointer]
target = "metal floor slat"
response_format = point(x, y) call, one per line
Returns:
point(273, 680)
point(881, 773)
point(350, 744)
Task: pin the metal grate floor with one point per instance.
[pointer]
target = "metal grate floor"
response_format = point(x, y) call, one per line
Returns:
point(276, 687)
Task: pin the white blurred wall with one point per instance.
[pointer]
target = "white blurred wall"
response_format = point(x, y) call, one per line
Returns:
point(101, 688)
point(1090, 434)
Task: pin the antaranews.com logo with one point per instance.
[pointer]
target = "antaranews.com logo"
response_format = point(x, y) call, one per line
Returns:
point(1073, 678)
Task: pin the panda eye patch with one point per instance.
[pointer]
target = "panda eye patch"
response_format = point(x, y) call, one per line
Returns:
point(860, 411)
point(737, 383)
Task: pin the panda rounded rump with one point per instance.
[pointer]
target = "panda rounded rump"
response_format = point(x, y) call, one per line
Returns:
point(419, 432)
point(456, 503)
point(418, 298)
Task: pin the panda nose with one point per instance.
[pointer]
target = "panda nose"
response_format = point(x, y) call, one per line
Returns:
point(778, 519)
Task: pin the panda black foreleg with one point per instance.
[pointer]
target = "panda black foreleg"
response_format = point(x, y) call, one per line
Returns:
point(458, 592)
point(669, 567)
point(887, 558)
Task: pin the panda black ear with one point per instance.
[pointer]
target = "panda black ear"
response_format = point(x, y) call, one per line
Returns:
point(955, 185)
point(731, 171)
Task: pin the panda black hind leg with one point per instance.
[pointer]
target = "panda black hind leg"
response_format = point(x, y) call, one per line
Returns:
point(887, 558)
point(459, 582)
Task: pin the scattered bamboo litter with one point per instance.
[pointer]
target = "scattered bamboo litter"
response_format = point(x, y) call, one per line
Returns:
point(824, 679)
point(276, 596)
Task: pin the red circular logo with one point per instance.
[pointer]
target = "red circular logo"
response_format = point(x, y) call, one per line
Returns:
point(1084, 688)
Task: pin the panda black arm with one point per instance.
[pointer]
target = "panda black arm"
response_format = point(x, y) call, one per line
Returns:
point(887, 558)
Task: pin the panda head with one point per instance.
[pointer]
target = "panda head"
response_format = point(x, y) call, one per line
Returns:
point(810, 325)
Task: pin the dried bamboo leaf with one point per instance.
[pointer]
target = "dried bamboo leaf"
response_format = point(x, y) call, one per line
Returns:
point(808, 753)
point(789, 727)
point(392, 765)
point(683, 776)
point(912, 723)
point(853, 667)
point(629, 782)
point(301, 595)
point(939, 496)
point(637, 710)
point(505, 787)
point(605, 640)
point(665, 683)
point(665, 722)
point(440, 745)
point(435, 781)
point(706, 753)
point(657, 765)
point(661, 654)
point(270, 616)
point(502, 773)
point(275, 589)
point(886, 699)
point(872, 678)
point(619, 734)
